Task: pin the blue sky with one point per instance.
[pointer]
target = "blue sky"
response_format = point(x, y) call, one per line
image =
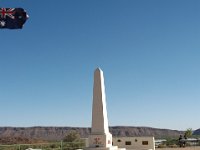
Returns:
point(149, 52)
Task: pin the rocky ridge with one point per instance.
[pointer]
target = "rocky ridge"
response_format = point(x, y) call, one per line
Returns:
point(58, 133)
point(196, 132)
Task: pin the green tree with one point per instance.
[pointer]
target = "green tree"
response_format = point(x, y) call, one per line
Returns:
point(72, 136)
point(188, 133)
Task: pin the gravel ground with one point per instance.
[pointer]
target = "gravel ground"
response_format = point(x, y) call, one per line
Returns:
point(186, 148)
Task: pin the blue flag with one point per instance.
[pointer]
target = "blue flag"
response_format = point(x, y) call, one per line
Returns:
point(12, 18)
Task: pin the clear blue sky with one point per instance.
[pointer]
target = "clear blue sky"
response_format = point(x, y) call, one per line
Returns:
point(149, 52)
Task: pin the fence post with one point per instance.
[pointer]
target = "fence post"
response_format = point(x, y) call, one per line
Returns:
point(61, 145)
point(19, 147)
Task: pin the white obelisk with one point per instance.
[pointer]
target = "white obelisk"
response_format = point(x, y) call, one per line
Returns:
point(100, 137)
point(99, 111)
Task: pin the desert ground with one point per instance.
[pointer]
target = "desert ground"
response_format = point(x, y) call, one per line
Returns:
point(185, 148)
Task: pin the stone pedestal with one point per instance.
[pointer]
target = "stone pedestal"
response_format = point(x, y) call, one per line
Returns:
point(100, 141)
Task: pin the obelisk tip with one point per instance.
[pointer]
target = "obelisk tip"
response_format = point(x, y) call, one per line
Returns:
point(98, 69)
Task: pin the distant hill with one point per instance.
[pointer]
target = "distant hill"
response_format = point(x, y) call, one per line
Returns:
point(58, 133)
point(196, 132)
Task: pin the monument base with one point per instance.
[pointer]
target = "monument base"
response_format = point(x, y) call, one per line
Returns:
point(104, 148)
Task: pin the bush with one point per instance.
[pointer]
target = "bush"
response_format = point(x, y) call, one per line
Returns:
point(72, 136)
point(162, 146)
